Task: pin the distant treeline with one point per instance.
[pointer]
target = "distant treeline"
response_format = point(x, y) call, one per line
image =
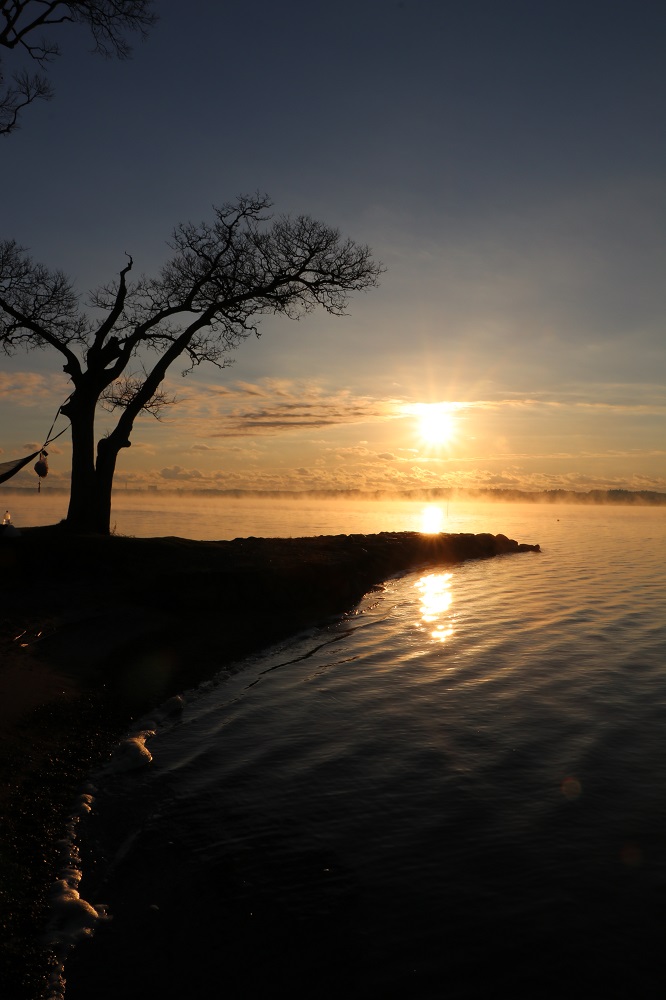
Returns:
point(634, 498)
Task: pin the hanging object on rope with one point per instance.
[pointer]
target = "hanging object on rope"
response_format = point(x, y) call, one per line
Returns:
point(42, 468)
point(9, 469)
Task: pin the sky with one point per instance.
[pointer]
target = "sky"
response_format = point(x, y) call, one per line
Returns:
point(503, 158)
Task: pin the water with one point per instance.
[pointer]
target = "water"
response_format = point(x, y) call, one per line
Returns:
point(457, 790)
point(158, 514)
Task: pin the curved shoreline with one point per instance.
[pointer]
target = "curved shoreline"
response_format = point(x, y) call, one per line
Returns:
point(95, 631)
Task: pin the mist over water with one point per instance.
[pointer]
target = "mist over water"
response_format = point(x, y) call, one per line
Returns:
point(146, 514)
point(456, 790)
point(158, 514)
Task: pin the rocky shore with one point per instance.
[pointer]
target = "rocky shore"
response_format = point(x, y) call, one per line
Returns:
point(96, 631)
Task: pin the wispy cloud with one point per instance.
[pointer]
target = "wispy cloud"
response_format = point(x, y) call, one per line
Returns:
point(655, 407)
point(300, 405)
point(33, 388)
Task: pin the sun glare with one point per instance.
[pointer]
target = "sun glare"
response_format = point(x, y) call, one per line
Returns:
point(436, 422)
point(436, 600)
point(432, 520)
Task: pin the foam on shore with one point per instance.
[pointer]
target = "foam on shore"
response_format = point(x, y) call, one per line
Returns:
point(72, 918)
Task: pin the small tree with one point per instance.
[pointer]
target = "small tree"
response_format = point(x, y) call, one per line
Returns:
point(27, 27)
point(205, 301)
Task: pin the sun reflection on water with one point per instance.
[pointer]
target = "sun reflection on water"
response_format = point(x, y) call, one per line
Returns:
point(436, 599)
point(432, 519)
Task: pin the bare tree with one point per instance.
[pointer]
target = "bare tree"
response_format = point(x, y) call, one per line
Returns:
point(207, 298)
point(27, 30)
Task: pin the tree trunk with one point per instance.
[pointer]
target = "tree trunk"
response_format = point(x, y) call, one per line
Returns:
point(105, 469)
point(80, 515)
point(92, 482)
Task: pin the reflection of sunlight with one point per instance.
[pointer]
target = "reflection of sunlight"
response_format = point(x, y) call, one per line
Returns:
point(436, 599)
point(431, 519)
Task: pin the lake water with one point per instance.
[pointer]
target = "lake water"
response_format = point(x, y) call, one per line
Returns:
point(145, 514)
point(458, 790)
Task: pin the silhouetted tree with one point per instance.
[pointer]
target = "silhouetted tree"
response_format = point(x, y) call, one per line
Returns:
point(207, 298)
point(27, 29)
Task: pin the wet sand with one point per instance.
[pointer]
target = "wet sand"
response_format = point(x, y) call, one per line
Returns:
point(96, 631)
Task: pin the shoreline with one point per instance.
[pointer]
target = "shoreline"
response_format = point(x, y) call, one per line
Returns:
point(96, 631)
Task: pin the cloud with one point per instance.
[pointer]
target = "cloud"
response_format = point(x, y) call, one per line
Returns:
point(214, 419)
point(352, 451)
point(285, 406)
point(33, 388)
point(656, 407)
point(387, 478)
point(53, 449)
point(251, 389)
point(177, 473)
point(257, 435)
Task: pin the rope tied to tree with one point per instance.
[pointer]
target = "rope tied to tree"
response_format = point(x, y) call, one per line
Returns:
point(9, 469)
point(42, 465)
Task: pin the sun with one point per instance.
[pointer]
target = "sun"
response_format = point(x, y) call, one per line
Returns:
point(436, 422)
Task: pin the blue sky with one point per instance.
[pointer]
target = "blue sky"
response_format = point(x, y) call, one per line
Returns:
point(505, 160)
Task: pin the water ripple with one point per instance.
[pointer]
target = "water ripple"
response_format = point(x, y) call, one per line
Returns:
point(456, 788)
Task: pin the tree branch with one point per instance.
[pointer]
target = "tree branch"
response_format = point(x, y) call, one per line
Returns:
point(26, 90)
point(110, 22)
point(107, 326)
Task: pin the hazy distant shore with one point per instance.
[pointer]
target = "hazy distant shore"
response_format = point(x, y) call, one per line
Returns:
point(651, 498)
point(96, 631)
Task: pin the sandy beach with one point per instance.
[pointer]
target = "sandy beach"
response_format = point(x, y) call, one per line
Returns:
point(96, 631)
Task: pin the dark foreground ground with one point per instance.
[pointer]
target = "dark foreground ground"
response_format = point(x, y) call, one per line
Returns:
point(96, 631)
